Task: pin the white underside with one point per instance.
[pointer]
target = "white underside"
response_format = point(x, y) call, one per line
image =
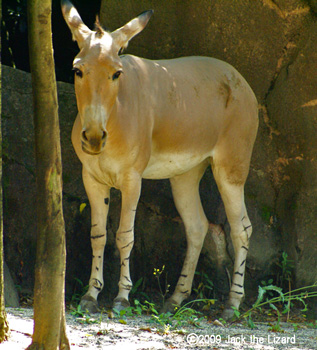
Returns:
point(165, 166)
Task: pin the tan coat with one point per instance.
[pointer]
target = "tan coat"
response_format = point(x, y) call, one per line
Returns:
point(159, 119)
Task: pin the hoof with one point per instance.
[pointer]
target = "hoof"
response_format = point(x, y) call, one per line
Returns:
point(89, 304)
point(227, 314)
point(120, 304)
point(169, 306)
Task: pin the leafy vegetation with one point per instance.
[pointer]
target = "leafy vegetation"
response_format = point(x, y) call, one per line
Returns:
point(270, 297)
point(79, 290)
point(281, 303)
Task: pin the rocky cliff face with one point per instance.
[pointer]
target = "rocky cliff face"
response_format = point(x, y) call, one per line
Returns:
point(274, 45)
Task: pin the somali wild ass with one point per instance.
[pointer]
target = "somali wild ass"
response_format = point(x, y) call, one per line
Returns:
point(139, 118)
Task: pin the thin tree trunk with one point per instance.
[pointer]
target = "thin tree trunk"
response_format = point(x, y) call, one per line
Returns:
point(49, 306)
point(4, 327)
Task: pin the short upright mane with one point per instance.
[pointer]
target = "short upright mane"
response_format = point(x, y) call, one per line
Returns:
point(98, 28)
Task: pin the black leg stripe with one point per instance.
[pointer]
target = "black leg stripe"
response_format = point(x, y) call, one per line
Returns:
point(97, 282)
point(243, 262)
point(233, 291)
point(238, 285)
point(245, 248)
point(106, 201)
point(126, 246)
point(125, 259)
point(126, 286)
point(245, 228)
point(94, 225)
point(185, 276)
point(127, 231)
point(238, 273)
point(95, 237)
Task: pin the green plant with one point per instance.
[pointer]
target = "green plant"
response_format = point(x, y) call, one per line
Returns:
point(157, 273)
point(287, 266)
point(79, 290)
point(295, 325)
point(77, 312)
point(267, 214)
point(312, 324)
point(268, 283)
point(123, 314)
point(205, 288)
point(276, 327)
point(164, 320)
point(83, 316)
point(139, 294)
point(236, 312)
point(299, 294)
point(136, 285)
point(145, 308)
point(138, 309)
point(183, 316)
point(250, 323)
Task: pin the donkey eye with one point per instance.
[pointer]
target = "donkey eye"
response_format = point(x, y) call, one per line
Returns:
point(78, 72)
point(116, 75)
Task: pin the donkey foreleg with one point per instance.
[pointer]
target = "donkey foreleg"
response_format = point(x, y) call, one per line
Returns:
point(125, 238)
point(99, 197)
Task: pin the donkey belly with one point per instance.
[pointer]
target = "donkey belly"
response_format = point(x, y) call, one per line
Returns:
point(165, 166)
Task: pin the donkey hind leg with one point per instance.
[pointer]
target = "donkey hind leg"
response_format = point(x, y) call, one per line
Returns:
point(185, 190)
point(99, 197)
point(232, 194)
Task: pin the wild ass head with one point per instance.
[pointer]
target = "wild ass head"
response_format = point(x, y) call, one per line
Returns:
point(97, 70)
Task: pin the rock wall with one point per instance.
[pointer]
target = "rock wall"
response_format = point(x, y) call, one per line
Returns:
point(274, 45)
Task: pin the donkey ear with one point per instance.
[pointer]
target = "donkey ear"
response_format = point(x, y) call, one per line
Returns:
point(79, 30)
point(122, 35)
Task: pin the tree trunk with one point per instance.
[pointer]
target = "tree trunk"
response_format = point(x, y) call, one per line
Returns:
point(49, 305)
point(4, 328)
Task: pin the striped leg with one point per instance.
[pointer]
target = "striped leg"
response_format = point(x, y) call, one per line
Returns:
point(99, 197)
point(187, 200)
point(125, 237)
point(241, 229)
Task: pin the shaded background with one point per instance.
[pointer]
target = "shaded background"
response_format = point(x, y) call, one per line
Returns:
point(274, 46)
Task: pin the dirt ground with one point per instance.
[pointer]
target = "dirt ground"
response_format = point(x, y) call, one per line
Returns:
point(136, 333)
